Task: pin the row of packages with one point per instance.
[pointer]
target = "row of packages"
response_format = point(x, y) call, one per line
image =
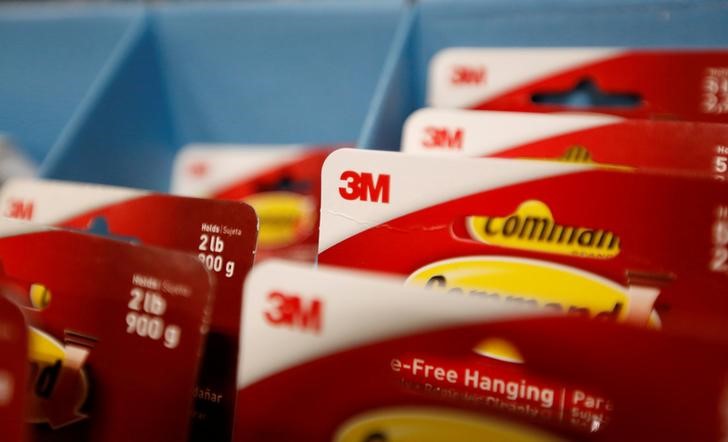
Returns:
point(568, 284)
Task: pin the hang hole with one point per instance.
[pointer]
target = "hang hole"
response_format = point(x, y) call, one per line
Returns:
point(376, 437)
point(100, 226)
point(587, 94)
point(287, 183)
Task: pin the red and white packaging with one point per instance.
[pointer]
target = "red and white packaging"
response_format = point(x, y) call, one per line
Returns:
point(648, 249)
point(13, 370)
point(679, 146)
point(282, 184)
point(332, 354)
point(116, 332)
point(640, 83)
point(299, 324)
point(221, 234)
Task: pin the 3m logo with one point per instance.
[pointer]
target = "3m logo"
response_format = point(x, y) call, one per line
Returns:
point(365, 187)
point(443, 138)
point(19, 209)
point(198, 169)
point(467, 75)
point(293, 312)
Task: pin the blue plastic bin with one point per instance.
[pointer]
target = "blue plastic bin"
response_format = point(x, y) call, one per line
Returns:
point(438, 24)
point(53, 60)
point(243, 73)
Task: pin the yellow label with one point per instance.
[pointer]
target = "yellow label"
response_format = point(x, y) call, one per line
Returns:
point(532, 227)
point(435, 425)
point(43, 349)
point(285, 218)
point(539, 285)
point(577, 154)
point(580, 154)
point(499, 349)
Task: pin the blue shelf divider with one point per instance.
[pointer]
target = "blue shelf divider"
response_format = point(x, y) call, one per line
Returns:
point(108, 94)
point(243, 73)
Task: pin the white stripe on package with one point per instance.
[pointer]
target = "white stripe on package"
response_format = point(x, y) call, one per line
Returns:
point(505, 70)
point(356, 308)
point(226, 165)
point(57, 201)
point(488, 132)
point(416, 182)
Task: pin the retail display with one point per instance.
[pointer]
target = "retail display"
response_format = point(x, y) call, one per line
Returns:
point(364, 221)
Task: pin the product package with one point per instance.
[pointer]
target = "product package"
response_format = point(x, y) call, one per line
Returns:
point(282, 184)
point(221, 234)
point(649, 249)
point(116, 332)
point(678, 146)
point(347, 356)
point(13, 369)
point(299, 323)
point(661, 84)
